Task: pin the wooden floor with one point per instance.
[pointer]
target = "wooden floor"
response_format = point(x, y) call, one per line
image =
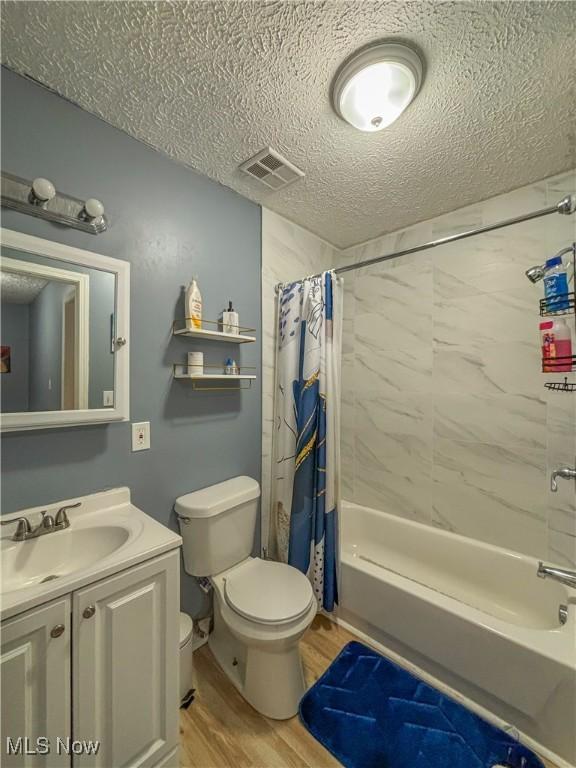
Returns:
point(220, 730)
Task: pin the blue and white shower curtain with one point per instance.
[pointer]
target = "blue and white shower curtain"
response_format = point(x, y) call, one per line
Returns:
point(306, 456)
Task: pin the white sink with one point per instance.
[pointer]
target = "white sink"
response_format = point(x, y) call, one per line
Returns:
point(107, 534)
point(58, 554)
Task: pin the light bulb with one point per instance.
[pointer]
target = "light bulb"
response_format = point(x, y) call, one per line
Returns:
point(43, 190)
point(376, 84)
point(93, 208)
point(377, 95)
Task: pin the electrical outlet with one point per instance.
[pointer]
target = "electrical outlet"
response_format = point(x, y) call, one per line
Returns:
point(141, 436)
point(108, 398)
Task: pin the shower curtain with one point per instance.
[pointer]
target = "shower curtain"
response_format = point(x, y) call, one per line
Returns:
point(306, 455)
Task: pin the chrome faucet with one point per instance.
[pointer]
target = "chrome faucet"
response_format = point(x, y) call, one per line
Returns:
point(567, 473)
point(23, 529)
point(48, 524)
point(558, 574)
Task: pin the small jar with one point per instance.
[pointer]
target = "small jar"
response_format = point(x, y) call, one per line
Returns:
point(195, 364)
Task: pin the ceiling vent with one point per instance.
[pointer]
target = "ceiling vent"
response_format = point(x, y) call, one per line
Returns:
point(271, 169)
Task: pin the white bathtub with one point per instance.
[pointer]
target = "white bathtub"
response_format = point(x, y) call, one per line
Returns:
point(473, 616)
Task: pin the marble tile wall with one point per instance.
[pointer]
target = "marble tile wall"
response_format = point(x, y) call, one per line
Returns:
point(445, 418)
point(289, 252)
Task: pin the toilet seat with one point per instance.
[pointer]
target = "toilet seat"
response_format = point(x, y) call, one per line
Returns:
point(267, 592)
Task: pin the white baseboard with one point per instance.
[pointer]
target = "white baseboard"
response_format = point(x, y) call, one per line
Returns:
point(172, 760)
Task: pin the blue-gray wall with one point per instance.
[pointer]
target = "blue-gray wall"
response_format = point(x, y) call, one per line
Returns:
point(102, 302)
point(169, 223)
point(16, 335)
point(46, 348)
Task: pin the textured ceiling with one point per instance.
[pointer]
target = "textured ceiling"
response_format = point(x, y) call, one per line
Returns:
point(211, 83)
point(16, 288)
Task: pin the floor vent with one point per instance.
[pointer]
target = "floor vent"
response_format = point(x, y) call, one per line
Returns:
point(271, 169)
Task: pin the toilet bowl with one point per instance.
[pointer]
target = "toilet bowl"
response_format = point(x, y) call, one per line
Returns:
point(261, 608)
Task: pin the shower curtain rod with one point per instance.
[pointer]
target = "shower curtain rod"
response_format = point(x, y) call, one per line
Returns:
point(566, 206)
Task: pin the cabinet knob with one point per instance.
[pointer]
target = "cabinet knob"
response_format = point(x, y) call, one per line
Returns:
point(57, 630)
point(88, 612)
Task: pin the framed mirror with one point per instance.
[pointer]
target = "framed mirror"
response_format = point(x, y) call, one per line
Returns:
point(64, 356)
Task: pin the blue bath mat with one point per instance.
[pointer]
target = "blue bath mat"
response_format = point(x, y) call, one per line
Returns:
point(370, 713)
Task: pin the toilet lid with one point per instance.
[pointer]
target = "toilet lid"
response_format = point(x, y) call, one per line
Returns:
point(268, 592)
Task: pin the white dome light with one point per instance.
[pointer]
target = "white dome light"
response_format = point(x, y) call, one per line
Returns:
point(375, 85)
point(94, 208)
point(43, 190)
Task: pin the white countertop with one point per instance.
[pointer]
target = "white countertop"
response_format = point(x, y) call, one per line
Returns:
point(112, 512)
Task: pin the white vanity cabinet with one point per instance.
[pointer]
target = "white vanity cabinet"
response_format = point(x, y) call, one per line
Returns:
point(125, 657)
point(35, 680)
point(98, 664)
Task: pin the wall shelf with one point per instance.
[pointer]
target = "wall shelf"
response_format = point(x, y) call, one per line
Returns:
point(562, 304)
point(213, 334)
point(559, 364)
point(216, 377)
point(561, 386)
point(180, 371)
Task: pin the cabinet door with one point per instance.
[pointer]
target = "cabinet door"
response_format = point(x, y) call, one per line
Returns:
point(125, 665)
point(35, 687)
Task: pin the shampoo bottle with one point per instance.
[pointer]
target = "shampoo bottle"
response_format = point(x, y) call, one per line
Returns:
point(556, 285)
point(193, 307)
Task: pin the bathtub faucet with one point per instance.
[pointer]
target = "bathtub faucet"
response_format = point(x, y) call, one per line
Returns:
point(568, 473)
point(558, 574)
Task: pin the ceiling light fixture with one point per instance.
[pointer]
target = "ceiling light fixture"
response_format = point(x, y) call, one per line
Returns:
point(376, 84)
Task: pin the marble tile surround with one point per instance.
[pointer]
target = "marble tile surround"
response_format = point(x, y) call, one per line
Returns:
point(445, 416)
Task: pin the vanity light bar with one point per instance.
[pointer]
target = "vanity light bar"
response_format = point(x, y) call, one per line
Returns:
point(39, 198)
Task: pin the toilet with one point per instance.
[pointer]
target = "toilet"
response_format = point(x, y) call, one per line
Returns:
point(261, 608)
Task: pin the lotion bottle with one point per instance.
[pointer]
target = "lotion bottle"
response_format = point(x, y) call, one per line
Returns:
point(193, 306)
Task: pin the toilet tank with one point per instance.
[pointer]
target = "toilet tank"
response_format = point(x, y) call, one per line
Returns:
point(218, 524)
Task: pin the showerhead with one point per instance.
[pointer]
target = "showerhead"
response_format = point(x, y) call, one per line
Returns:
point(535, 274)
